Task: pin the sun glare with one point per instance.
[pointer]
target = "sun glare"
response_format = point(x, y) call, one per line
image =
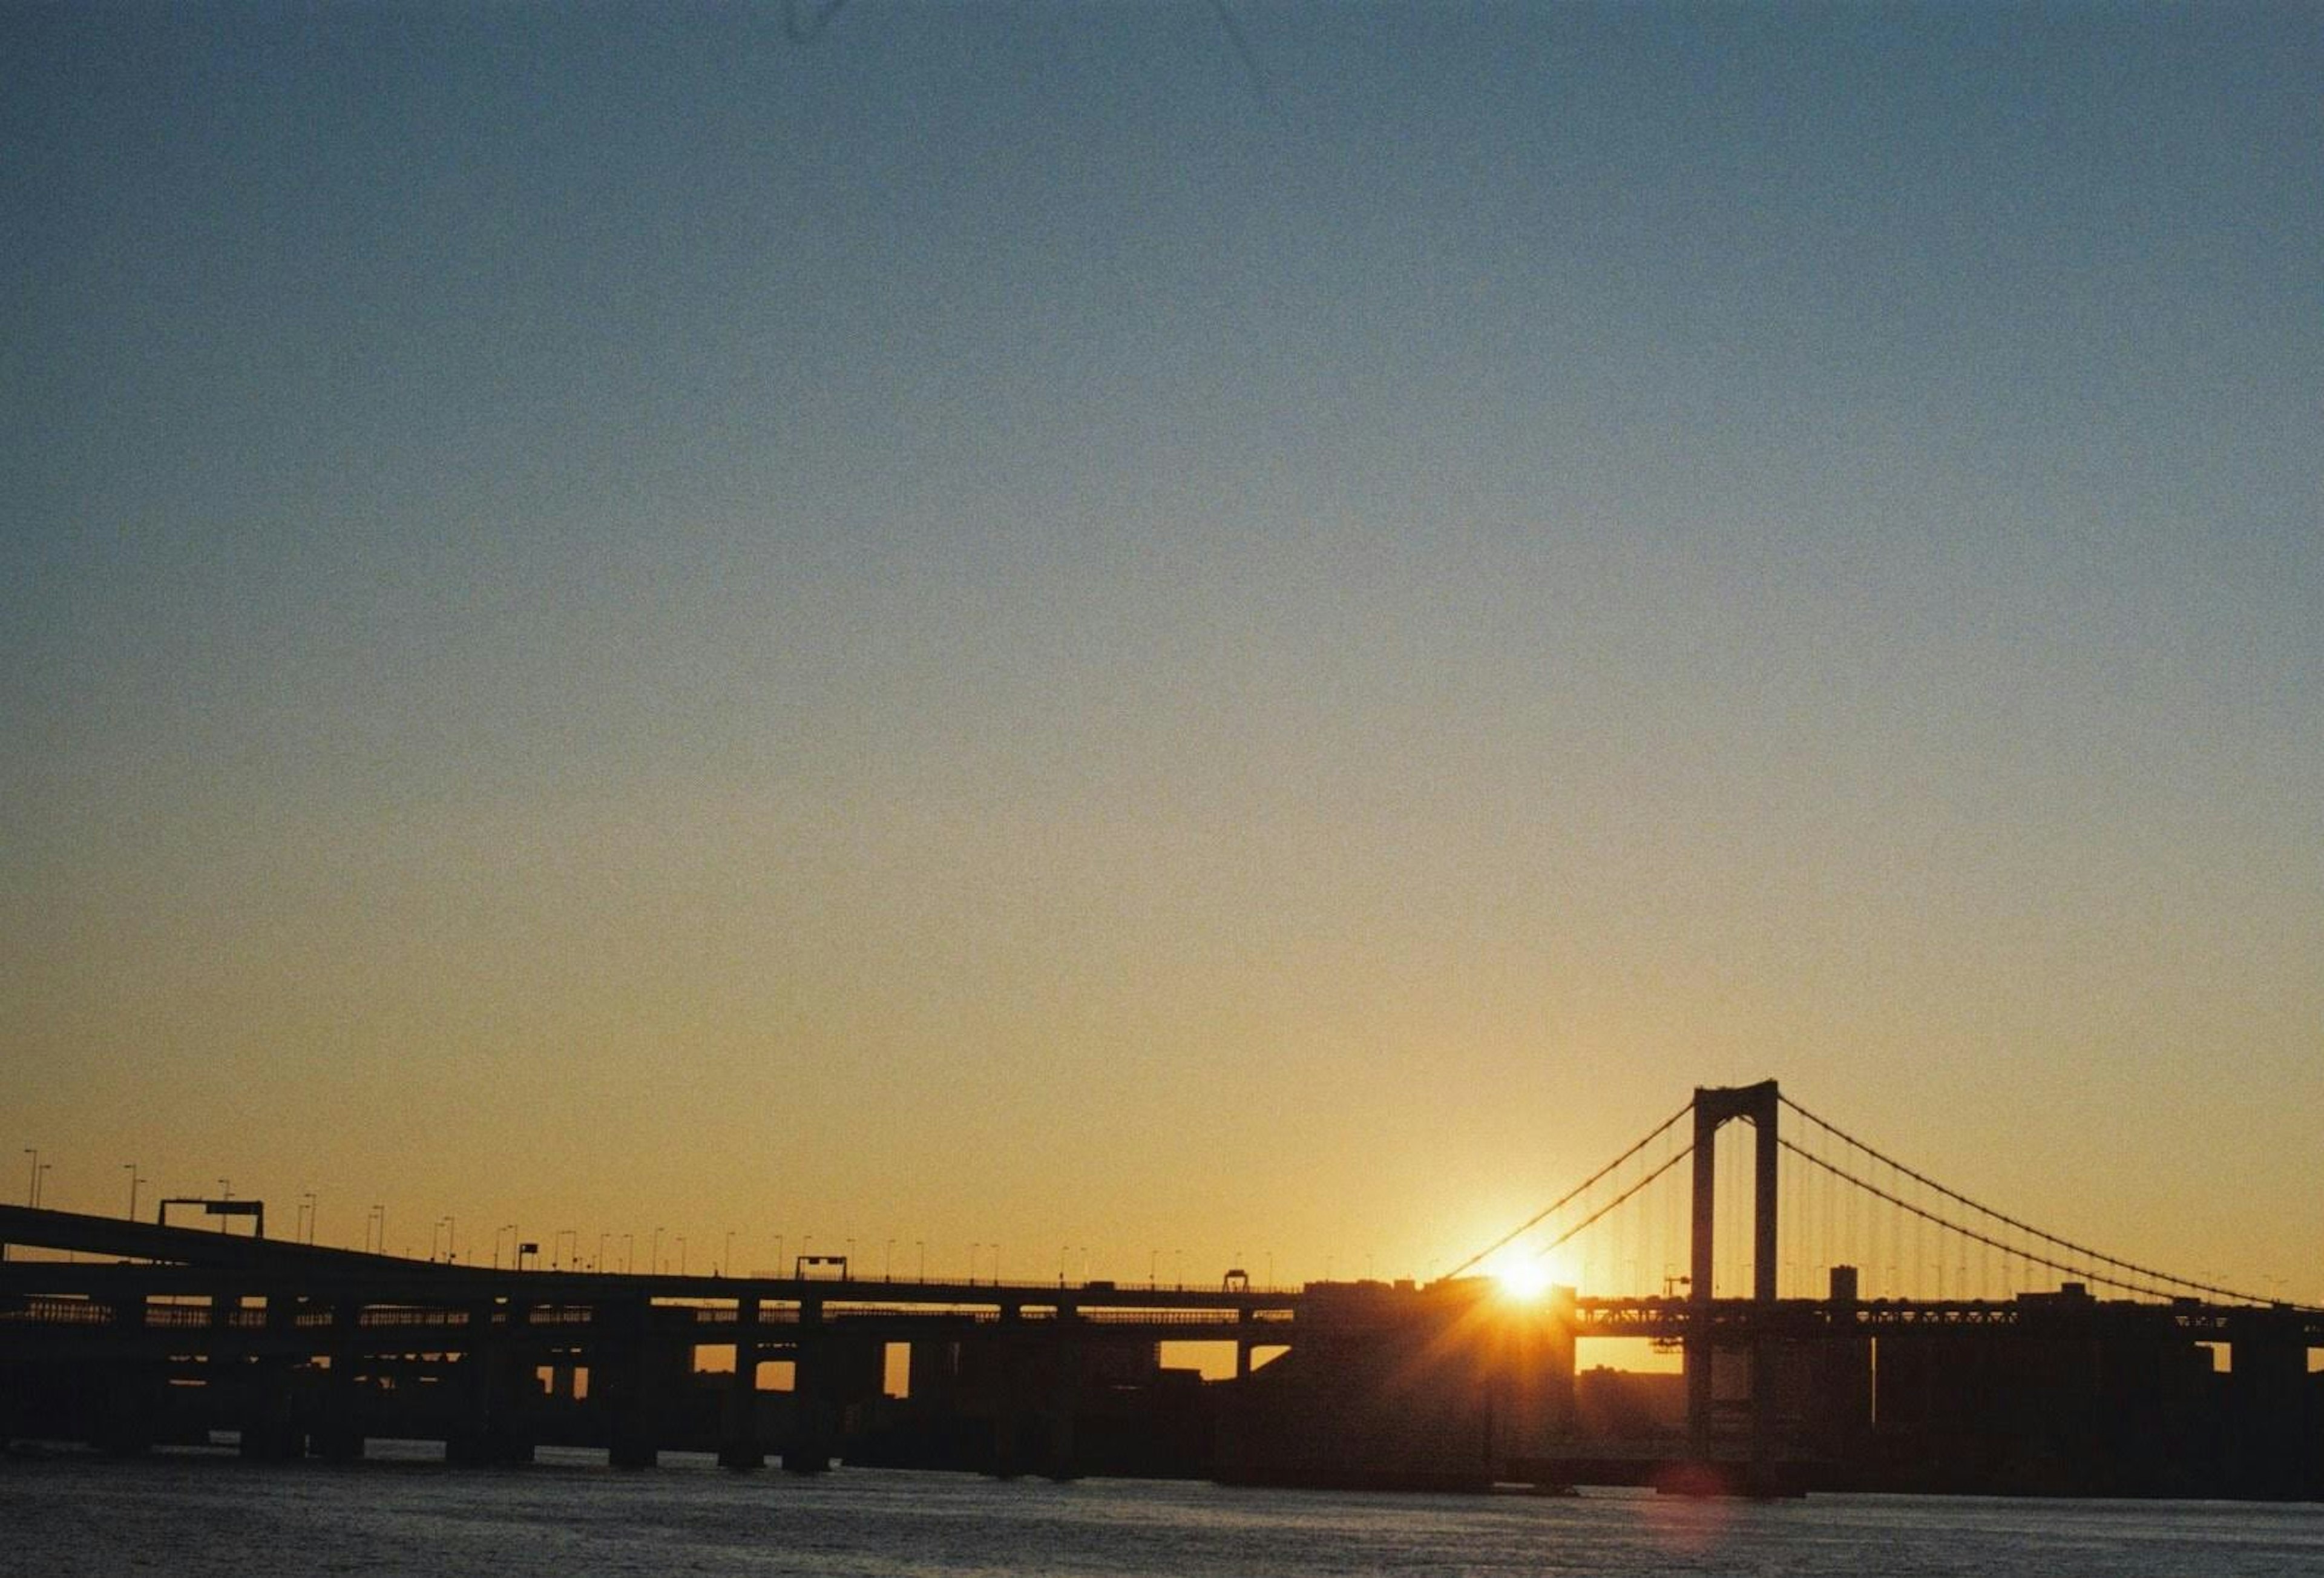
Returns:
point(1522, 1278)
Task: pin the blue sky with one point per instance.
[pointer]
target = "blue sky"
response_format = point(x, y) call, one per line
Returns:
point(1010, 593)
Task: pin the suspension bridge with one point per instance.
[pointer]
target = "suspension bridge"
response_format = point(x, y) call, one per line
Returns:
point(1842, 1320)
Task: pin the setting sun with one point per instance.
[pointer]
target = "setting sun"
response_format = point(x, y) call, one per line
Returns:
point(1522, 1278)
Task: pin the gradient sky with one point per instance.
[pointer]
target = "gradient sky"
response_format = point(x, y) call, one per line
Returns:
point(1014, 623)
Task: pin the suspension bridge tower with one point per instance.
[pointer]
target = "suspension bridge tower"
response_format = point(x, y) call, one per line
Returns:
point(1714, 1108)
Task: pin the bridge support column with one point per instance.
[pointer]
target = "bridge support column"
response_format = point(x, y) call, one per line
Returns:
point(1064, 1395)
point(495, 1425)
point(337, 1433)
point(621, 1383)
point(1702, 1264)
point(269, 1429)
point(1714, 1108)
point(125, 1419)
point(2267, 1366)
point(807, 1449)
point(738, 1446)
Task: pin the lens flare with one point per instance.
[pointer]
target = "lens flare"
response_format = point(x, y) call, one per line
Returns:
point(1521, 1277)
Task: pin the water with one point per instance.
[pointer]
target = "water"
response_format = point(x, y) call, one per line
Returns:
point(569, 1517)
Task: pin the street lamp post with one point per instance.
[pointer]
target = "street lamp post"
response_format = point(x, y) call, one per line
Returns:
point(32, 1179)
point(681, 1254)
point(131, 1168)
point(629, 1252)
point(599, 1263)
point(923, 1244)
point(657, 1252)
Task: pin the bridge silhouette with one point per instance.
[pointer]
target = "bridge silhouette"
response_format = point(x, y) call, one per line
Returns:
point(1818, 1292)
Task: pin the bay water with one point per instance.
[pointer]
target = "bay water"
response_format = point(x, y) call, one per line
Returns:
point(568, 1516)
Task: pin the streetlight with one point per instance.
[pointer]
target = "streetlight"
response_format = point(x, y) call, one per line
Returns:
point(657, 1252)
point(972, 1247)
point(629, 1252)
point(923, 1244)
point(599, 1263)
point(681, 1254)
point(32, 1180)
point(131, 1168)
point(308, 1196)
point(225, 1188)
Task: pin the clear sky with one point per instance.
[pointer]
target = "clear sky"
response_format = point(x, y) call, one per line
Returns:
point(1240, 633)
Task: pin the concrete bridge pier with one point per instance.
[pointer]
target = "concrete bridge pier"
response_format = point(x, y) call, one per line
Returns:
point(999, 1367)
point(269, 1405)
point(1066, 1357)
point(336, 1434)
point(808, 1447)
point(621, 1384)
point(131, 1393)
point(498, 1387)
point(739, 1446)
point(2267, 1383)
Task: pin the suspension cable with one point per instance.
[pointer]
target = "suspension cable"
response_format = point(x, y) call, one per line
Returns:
point(2084, 1272)
point(1680, 1155)
point(2026, 1227)
point(1656, 1132)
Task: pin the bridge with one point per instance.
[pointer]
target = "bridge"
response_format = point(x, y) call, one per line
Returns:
point(1842, 1321)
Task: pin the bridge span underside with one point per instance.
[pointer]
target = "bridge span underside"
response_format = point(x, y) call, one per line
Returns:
point(128, 1336)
